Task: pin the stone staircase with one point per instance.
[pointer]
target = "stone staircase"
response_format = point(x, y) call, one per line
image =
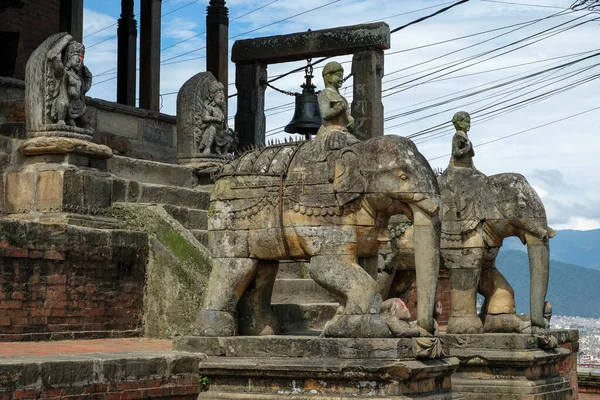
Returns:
point(300, 305)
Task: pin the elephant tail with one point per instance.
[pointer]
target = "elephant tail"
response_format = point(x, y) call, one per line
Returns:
point(551, 233)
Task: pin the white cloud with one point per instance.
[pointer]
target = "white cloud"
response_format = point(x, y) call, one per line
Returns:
point(579, 224)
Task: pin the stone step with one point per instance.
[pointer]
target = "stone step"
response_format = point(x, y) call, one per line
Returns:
point(201, 235)
point(292, 270)
point(188, 217)
point(135, 192)
point(296, 291)
point(304, 317)
point(158, 172)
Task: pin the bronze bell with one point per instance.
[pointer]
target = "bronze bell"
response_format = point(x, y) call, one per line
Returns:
point(307, 117)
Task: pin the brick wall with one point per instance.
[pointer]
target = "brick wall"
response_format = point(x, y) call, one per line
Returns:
point(442, 295)
point(35, 22)
point(59, 282)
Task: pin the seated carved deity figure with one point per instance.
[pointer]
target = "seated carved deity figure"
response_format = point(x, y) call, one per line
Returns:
point(217, 138)
point(338, 124)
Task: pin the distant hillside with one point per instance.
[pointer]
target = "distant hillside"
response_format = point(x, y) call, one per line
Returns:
point(573, 290)
point(574, 247)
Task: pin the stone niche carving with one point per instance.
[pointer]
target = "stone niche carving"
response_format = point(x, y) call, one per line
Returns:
point(202, 130)
point(56, 81)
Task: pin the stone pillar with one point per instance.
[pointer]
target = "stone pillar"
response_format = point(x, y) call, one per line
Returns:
point(71, 18)
point(150, 54)
point(250, 117)
point(217, 36)
point(367, 108)
point(126, 57)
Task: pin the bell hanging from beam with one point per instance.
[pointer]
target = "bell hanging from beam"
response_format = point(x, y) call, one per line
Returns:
point(307, 117)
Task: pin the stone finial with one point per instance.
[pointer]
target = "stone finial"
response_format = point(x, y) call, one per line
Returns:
point(56, 81)
point(202, 130)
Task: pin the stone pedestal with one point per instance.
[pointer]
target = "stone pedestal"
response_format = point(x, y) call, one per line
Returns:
point(502, 366)
point(59, 176)
point(312, 368)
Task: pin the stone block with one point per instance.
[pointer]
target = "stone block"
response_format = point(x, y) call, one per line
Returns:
point(160, 194)
point(97, 192)
point(20, 190)
point(158, 132)
point(319, 43)
point(50, 191)
point(73, 191)
point(116, 123)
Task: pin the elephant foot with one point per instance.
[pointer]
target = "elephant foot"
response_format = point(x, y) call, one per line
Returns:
point(215, 323)
point(357, 326)
point(468, 325)
point(259, 325)
point(504, 323)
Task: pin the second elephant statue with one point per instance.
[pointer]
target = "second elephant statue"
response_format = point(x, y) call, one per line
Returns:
point(477, 216)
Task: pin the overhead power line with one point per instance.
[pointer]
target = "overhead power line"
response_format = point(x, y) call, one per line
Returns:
point(440, 11)
point(526, 130)
point(523, 4)
point(401, 87)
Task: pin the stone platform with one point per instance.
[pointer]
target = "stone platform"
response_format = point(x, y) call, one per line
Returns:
point(503, 366)
point(313, 368)
point(133, 368)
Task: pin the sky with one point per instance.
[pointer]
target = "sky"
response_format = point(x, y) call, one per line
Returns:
point(538, 97)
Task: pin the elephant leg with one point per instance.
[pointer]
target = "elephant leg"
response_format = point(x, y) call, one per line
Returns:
point(254, 308)
point(463, 296)
point(498, 311)
point(228, 281)
point(358, 293)
point(499, 295)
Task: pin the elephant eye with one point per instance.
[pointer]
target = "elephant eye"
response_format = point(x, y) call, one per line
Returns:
point(403, 177)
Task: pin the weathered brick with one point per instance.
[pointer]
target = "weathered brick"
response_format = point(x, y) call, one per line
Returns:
point(11, 304)
point(17, 252)
point(53, 255)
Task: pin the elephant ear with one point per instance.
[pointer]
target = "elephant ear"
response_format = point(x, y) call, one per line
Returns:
point(348, 182)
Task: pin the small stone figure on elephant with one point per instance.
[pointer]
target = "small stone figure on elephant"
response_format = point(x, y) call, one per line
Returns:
point(277, 203)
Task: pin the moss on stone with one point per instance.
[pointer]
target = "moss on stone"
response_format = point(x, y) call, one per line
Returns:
point(177, 271)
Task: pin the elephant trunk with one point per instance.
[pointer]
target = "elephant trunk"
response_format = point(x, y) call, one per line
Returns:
point(427, 230)
point(539, 269)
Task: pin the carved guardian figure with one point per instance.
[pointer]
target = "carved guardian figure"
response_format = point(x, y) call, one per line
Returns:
point(202, 130)
point(56, 81)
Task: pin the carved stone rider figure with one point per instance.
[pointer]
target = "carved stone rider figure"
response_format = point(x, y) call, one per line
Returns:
point(336, 129)
point(460, 183)
point(462, 148)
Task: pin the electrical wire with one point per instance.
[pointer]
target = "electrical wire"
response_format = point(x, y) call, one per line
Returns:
point(487, 59)
point(526, 130)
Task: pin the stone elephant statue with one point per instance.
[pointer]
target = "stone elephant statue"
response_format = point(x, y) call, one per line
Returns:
point(478, 212)
point(330, 208)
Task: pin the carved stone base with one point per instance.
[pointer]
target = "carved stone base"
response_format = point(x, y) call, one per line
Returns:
point(501, 366)
point(312, 368)
point(61, 130)
point(64, 145)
